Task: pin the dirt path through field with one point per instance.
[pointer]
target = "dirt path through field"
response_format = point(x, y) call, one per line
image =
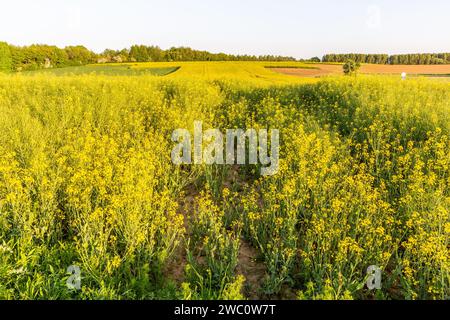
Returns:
point(175, 270)
point(248, 265)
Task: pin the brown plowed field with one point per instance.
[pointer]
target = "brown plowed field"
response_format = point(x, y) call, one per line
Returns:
point(326, 69)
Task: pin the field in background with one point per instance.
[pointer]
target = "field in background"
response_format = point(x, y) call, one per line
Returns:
point(258, 71)
point(251, 71)
point(86, 179)
point(269, 72)
point(335, 69)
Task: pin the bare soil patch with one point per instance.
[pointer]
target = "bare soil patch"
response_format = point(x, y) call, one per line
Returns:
point(253, 270)
point(175, 269)
point(412, 69)
point(321, 70)
point(328, 69)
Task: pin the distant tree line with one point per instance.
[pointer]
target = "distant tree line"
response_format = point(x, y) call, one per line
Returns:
point(358, 58)
point(141, 53)
point(425, 58)
point(418, 58)
point(34, 57)
point(44, 56)
point(14, 58)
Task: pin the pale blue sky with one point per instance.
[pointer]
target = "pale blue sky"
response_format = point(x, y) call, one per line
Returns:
point(287, 27)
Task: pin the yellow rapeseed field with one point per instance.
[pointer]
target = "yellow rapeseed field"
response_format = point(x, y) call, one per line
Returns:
point(86, 179)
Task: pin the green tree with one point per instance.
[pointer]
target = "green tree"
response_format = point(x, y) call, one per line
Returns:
point(351, 67)
point(79, 55)
point(6, 62)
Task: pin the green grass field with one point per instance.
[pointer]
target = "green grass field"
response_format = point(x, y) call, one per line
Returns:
point(107, 70)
